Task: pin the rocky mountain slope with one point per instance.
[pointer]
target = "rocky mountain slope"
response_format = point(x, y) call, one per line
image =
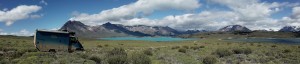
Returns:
point(105, 30)
point(116, 30)
point(290, 29)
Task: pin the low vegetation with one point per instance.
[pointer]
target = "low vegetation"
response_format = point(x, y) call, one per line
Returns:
point(209, 60)
point(20, 50)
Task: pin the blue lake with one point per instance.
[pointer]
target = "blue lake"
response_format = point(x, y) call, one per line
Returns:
point(148, 38)
point(268, 40)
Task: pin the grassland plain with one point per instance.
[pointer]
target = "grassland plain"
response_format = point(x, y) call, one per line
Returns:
point(20, 50)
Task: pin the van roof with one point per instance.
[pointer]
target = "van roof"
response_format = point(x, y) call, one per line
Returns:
point(52, 31)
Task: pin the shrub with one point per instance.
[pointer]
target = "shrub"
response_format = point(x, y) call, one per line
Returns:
point(238, 51)
point(273, 46)
point(117, 56)
point(202, 46)
point(99, 46)
point(186, 47)
point(196, 47)
point(106, 45)
point(117, 59)
point(96, 59)
point(82, 55)
point(148, 52)
point(117, 51)
point(223, 52)
point(252, 44)
point(242, 51)
point(247, 51)
point(183, 50)
point(298, 46)
point(287, 51)
point(175, 47)
point(229, 43)
point(15, 54)
point(259, 45)
point(209, 60)
point(195, 44)
point(271, 53)
point(139, 58)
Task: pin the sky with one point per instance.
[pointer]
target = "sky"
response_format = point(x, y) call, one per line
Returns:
point(23, 17)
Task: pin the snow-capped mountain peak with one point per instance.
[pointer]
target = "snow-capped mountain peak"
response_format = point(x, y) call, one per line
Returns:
point(232, 28)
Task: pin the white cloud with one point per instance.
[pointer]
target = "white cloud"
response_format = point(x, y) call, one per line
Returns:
point(43, 2)
point(18, 13)
point(208, 20)
point(130, 11)
point(22, 32)
point(34, 16)
point(251, 10)
point(254, 14)
point(294, 19)
point(244, 12)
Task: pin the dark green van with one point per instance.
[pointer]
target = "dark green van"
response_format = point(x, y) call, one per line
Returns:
point(56, 41)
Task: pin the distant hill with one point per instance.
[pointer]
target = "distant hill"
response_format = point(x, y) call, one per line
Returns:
point(232, 28)
point(290, 29)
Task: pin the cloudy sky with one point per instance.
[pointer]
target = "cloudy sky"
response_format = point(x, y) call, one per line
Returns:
point(23, 17)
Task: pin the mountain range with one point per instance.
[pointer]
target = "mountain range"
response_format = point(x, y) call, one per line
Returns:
point(117, 30)
point(290, 29)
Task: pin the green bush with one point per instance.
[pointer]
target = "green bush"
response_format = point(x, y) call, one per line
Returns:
point(96, 59)
point(139, 58)
point(82, 55)
point(259, 45)
point(287, 51)
point(14, 54)
point(117, 51)
point(195, 44)
point(175, 47)
point(274, 46)
point(148, 52)
point(271, 53)
point(202, 46)
point(117, 56)
point(209, 60)
point(186, 47)
point(223, 52)
point(242, 51)
point(183, 50)
point(252, 44)
point(117, 59)
point(106, 45)
point(99, 46)
point(196, 47)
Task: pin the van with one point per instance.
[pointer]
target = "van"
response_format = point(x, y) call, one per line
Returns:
point(53, 41)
